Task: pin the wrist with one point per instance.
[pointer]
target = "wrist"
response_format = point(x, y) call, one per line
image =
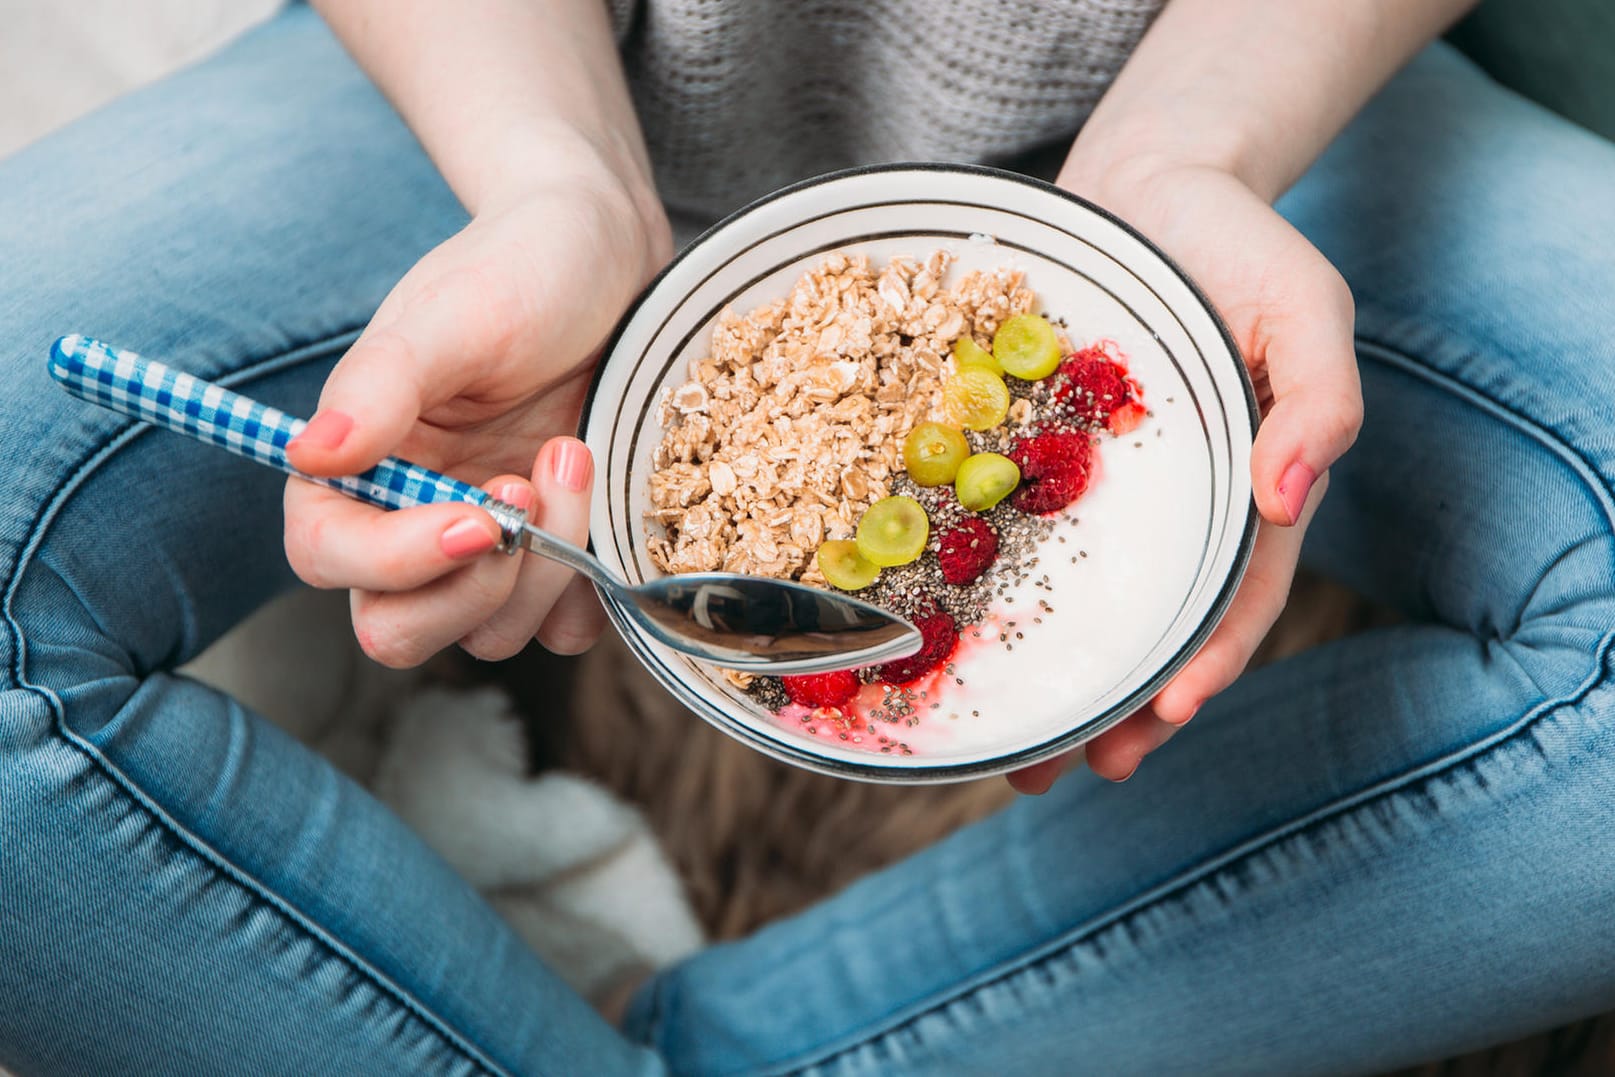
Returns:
point(1120, 166)
point(608, 169)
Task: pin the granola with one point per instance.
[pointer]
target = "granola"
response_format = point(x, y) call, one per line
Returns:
point(794, 423)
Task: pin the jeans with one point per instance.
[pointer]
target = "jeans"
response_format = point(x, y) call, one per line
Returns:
point(1393, 847)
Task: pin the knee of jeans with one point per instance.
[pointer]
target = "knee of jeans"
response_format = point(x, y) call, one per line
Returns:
point(108, 576)
point(1563, 634)
point(61, 655)
point(47, 444)
point(1475, 503)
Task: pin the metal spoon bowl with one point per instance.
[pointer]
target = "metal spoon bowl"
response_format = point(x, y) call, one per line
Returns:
point(752, 623)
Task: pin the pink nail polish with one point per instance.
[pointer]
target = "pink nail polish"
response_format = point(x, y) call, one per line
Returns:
point(1294, 486)
point(466, 539)
point(572, 465)
point(327, 430)
point(516, 494)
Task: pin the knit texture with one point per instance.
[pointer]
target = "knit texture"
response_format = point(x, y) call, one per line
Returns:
point(739, 97)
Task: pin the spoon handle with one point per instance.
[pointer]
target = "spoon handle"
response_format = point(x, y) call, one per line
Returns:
point(122, 381)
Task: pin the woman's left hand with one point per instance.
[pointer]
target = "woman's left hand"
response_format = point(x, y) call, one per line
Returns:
point(1291, 314)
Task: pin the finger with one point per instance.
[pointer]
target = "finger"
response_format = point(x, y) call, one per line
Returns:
point(562, 476)
point(1116, 753)
point(576, 621)
point(435, 346)
point(333, 541)
point(402, 630)
point(1040, 777)
point(1257, 604)
point(1311, 365)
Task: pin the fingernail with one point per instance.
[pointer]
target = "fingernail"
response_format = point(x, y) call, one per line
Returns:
point(327, 430)
point(1194, 710)
point(571, 464)
point(466, 539)
point(1294, 486)
point(1130, 773)
point(516, 494)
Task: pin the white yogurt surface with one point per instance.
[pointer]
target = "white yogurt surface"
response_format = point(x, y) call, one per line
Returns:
point(1142, 525)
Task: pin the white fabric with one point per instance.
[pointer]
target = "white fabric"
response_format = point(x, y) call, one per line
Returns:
point(574, 870)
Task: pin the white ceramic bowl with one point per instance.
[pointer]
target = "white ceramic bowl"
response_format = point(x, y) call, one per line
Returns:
point(1164, 531)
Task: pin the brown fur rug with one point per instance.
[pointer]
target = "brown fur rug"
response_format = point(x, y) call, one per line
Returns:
point(751, 837)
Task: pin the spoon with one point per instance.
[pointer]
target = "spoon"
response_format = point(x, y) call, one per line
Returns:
point(751, 623)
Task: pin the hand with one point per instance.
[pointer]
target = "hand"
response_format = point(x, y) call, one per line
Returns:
point(474, 365)
point(1292, 316)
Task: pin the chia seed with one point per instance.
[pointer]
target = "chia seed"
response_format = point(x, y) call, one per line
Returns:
point(768, 692)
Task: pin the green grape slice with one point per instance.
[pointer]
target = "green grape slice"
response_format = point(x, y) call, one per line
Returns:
point(976, 398)
point(984, 480)
point(893, 531)
point(844, 567)
point(966, 352)
point(1027, 347)
point(932, 453)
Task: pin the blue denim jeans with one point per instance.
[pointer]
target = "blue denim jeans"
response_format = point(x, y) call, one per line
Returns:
point(1397, 846)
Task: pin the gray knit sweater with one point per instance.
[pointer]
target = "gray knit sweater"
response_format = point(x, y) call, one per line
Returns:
point(738, 97)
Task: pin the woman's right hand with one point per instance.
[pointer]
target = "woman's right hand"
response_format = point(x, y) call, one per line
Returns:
point(1291, 315)
point(476, 365)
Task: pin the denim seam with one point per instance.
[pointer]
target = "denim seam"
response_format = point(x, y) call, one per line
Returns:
point(1313, 820)
point(119, 440)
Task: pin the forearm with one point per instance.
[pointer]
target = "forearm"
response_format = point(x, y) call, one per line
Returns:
point(1250, 87)
point(504, 94)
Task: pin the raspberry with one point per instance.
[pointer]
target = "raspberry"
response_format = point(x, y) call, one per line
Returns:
point(1125, 419)
point(1092, 386)
point(940, 634)
point(1054, 471)
point(822, 689)
point(967, 549)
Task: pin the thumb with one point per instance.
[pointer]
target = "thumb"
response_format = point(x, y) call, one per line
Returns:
point(1317, 399)
point(378, 390)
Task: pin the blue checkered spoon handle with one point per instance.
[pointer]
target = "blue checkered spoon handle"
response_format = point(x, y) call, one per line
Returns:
point(744, 622)
point(144, 389)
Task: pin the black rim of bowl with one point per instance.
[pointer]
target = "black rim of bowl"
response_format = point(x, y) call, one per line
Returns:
point(920, 774)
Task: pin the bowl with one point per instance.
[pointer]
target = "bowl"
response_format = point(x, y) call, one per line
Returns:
point(1142, 567)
